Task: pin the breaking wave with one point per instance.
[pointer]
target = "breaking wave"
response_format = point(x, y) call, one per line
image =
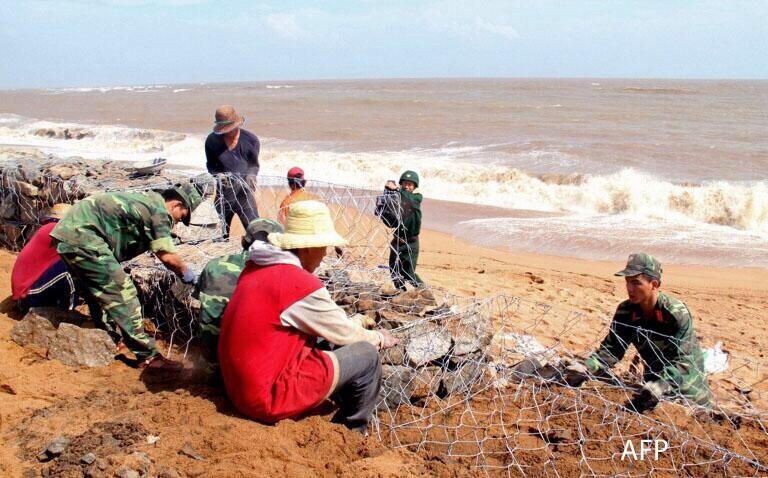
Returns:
point(446, 174)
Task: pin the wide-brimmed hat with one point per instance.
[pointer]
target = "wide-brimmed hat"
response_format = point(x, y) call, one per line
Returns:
point(227, 119)
point(57, 211)
point(641, 263)
point(308, 224)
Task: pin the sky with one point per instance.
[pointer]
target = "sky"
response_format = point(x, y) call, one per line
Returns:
point(49, 43)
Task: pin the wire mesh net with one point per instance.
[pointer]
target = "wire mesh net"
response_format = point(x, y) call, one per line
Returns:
point(477, 380)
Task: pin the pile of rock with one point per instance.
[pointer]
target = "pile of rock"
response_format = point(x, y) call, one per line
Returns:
point(30, 186)
point(442, 351)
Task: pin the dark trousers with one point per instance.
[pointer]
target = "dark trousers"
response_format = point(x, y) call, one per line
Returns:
point(235, 197)
point(359, 383)
point(403, 257)
point(54, 288)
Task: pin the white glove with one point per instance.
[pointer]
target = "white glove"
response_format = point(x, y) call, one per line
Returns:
point(189, 276)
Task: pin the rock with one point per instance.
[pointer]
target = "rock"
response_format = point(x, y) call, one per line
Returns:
point(77, 346)
point(404, 385)
point(392, 320)
point(394, 355)
point(88, 458)
point(125, 472)
point(462, 379)
point(54, 448)
point(363, 305)
point(426, 342)
point(34, 329)
point(62, 171)
point(190, 452)
point(152, 439)
point(365, 321)
point(9, 207)
point(470, 334)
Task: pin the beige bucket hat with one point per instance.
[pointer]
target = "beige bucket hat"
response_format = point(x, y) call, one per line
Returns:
point(308, 224)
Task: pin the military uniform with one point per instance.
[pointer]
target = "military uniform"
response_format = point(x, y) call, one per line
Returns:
point(218, 279)
point(103, 230)
point(666, 342)
point(401, 210)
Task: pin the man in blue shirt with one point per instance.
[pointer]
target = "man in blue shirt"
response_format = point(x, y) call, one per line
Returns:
point(232, 153)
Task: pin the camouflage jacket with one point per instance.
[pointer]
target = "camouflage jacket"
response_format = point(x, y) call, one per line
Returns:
point(214, 288)
point(129, 223)
point(401, 210)
point(666, 343)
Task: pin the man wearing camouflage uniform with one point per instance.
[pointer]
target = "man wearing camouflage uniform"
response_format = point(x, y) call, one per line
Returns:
point(218, 280)
point(661, 329)
point(400, 208)
point(104, 230)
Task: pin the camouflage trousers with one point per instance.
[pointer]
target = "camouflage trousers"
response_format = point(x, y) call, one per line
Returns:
point(403, 257)
point(111, 295)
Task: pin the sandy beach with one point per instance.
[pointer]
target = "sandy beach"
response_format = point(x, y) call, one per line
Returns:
point(39, 398)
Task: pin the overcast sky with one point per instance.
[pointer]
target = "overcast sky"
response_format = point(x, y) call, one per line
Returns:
point(129, 42)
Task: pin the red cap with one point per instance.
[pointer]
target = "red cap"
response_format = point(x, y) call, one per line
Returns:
point(296, 172)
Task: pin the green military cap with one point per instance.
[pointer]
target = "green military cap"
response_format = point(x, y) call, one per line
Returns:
point(258, 229)
point(191, 198)
point(641, 263)
point(410, 176)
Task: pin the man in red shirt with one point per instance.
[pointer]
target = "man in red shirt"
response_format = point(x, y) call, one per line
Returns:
point(39, 277)
point(270, 361)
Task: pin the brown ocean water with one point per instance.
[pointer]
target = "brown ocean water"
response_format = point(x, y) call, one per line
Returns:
point(675, 167)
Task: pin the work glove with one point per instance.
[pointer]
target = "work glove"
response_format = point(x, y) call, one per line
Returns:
point(575, 374)
point(189, 276)
point(647, 397)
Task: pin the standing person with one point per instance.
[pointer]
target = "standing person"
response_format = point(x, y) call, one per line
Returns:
point(39, 277)
point(100, 232)
point(400, 208)
point(270, 361)
point(233, 153)
point(296, 183)
point(661, 329)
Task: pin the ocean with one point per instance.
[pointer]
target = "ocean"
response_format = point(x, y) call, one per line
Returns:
point(588, 168)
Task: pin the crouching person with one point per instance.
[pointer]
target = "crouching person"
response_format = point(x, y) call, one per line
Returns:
point(102, 231)
point(661, 329)
point(218, 280)
point(270, 362)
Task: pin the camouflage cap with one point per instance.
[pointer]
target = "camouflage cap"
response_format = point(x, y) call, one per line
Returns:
point(258, 229)
point(410, 176)
point(191, 198)
point(641, 263)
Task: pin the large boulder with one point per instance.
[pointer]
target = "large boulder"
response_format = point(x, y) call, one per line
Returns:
point(77, 346)
point(470, 334)
point(404, 385)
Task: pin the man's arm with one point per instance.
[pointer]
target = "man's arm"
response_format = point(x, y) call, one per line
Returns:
point(612, 348)
point(172, 261)
point(317, 314)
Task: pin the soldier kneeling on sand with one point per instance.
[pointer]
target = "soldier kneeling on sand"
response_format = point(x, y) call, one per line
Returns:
point(661, 329)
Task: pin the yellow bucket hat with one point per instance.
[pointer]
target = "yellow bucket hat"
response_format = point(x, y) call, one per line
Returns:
point(308, 224)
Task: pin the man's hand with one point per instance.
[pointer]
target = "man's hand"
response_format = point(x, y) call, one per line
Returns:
point(391, 185)
point(189, 276)
point(647, 397)
point(387, 340)
point(575, 374)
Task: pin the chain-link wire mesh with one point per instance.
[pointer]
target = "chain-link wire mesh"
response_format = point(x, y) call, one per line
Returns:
point(477, 380)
